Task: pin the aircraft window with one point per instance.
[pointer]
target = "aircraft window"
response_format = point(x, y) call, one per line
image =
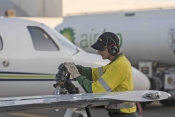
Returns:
point(1, 43)
point(41, 40)
point(70, 48)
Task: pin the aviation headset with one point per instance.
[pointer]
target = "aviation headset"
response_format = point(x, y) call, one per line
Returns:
point(112, 49)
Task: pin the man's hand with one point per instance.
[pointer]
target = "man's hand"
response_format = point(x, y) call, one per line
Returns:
point(71, 68)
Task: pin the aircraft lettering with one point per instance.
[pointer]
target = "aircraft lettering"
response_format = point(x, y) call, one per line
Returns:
point(86, 40)
point(120, 39)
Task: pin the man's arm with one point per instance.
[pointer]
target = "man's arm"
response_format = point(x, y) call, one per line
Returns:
point(85, 83)
point(83, 80)
point(105, 83)
point(85, 71)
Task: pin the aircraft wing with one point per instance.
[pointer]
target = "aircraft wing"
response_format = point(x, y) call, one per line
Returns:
point(78, 100)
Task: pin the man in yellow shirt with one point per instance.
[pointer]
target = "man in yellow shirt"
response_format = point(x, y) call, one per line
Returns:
point(113, 77)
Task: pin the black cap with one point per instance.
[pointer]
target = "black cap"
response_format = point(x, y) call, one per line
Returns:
point(106, 39)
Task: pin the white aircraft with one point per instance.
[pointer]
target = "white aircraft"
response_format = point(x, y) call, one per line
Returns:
point(30, 53)
point(147, 38)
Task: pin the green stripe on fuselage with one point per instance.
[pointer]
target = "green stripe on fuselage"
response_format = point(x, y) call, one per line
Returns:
point(11, 76)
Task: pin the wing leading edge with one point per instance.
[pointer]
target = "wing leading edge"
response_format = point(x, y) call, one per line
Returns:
point(78, 100)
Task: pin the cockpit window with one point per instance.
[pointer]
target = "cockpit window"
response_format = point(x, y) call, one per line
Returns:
point(70, 48)
point(41, 40)
point(1, 43)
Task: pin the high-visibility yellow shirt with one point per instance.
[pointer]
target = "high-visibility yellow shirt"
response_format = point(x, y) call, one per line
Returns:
point(113, 77)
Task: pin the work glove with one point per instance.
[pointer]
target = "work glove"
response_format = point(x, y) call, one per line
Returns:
point(71, 68)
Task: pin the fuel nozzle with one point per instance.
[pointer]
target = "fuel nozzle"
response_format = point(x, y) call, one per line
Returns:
point(60, 90)
point(61, 77)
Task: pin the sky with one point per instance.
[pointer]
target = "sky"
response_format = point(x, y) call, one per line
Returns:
point(58, 8)
point(89, 6)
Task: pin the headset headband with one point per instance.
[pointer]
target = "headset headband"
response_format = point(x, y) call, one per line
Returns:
point(108, 36)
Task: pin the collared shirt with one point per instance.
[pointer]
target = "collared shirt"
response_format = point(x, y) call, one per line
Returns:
point(113, 77)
